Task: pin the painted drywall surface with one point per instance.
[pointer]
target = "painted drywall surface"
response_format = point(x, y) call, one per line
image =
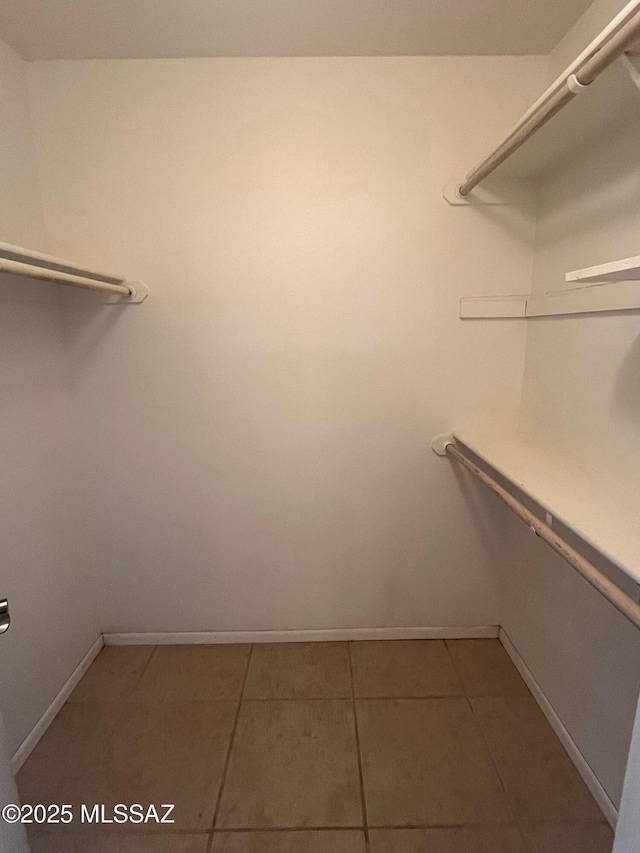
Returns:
point(581, 393)
point(13, 838)
point(584, 655)
point(581, 378)
point(628, 830)
point(256, 435)
point(92, 29)
point(53, 620)
point(586, 28)
point(21, 216)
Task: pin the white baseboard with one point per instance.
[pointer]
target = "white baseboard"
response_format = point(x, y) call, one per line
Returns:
point(589, 777)
point(303, 636)
point(31, 741)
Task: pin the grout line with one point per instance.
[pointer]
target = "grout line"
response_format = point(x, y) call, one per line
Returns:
point(467, 695)
point(297, 699)
point(182, 701)
point(145, 667)
point(360, 772)
point(239, 830)
point(392, 826)
point(463, 689)
point(460, 695)
point(487, 745)
point(228, 757)
point(144, 833)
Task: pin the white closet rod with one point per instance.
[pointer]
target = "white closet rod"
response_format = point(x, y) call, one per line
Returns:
point(616, 39)
point(33, 271)
point(622, 602)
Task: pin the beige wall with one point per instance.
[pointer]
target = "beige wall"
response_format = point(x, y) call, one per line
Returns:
point(586, 28)
point(581, 391)
point(256, 436)
point(52, 607)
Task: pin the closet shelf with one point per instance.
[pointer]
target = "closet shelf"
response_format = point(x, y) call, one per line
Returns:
point(606, 297)
point(625, 270)
point(16, 260)
point(600, 509)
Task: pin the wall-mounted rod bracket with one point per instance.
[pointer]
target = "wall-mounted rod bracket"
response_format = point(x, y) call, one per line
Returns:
point(451, 193)
point(440, 443)
point(139, 292)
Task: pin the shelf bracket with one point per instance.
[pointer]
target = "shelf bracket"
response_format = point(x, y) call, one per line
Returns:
point(478, 196)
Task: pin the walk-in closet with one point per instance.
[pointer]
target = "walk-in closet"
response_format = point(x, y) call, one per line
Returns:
point(320, 418)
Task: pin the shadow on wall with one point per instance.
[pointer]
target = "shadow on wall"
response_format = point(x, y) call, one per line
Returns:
point(597, 186)
point(626, 389)
point(583, 654)
point(86, 319)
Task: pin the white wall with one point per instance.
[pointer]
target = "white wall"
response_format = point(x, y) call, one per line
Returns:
point(53, 622)
point(585, 29)
point(13, 838)
point(256, 436)
point(581, 380)
point(581, 390)
point(628, 829)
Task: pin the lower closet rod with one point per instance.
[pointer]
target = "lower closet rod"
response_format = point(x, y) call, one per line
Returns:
point(622, 602)
point(47, 274)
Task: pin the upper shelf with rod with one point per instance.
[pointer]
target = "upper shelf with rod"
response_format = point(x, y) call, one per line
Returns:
point(618, 40)
point(16, 260)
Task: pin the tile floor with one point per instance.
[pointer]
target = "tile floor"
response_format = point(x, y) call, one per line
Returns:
point(387, 747)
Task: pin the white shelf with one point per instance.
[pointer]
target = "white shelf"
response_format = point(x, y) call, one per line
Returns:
point(626, 270)
point(486, 307)
point(602, 510)
point(589, 299)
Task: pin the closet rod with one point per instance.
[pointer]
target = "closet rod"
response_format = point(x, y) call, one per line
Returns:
point(33, 271)
point(622, 602)
point(613, 42)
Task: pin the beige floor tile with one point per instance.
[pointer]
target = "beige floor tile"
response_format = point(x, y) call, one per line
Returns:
point(79, 741)
point(293, 764)
point(133, 753)
point(194, 673)
point(569, 838)
point(485, 669)
point(403, 668)
point(540, 779)
point(337, 841)
point(425, 763)
point(299, 671)
point(500, 839)
point(129, 843)
point(113, 674)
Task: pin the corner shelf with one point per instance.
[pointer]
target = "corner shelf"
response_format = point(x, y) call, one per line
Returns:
point(605, 288)
point(625, 270)
point(599, 508)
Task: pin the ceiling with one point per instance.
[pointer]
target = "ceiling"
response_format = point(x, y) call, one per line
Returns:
point(114, 29)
